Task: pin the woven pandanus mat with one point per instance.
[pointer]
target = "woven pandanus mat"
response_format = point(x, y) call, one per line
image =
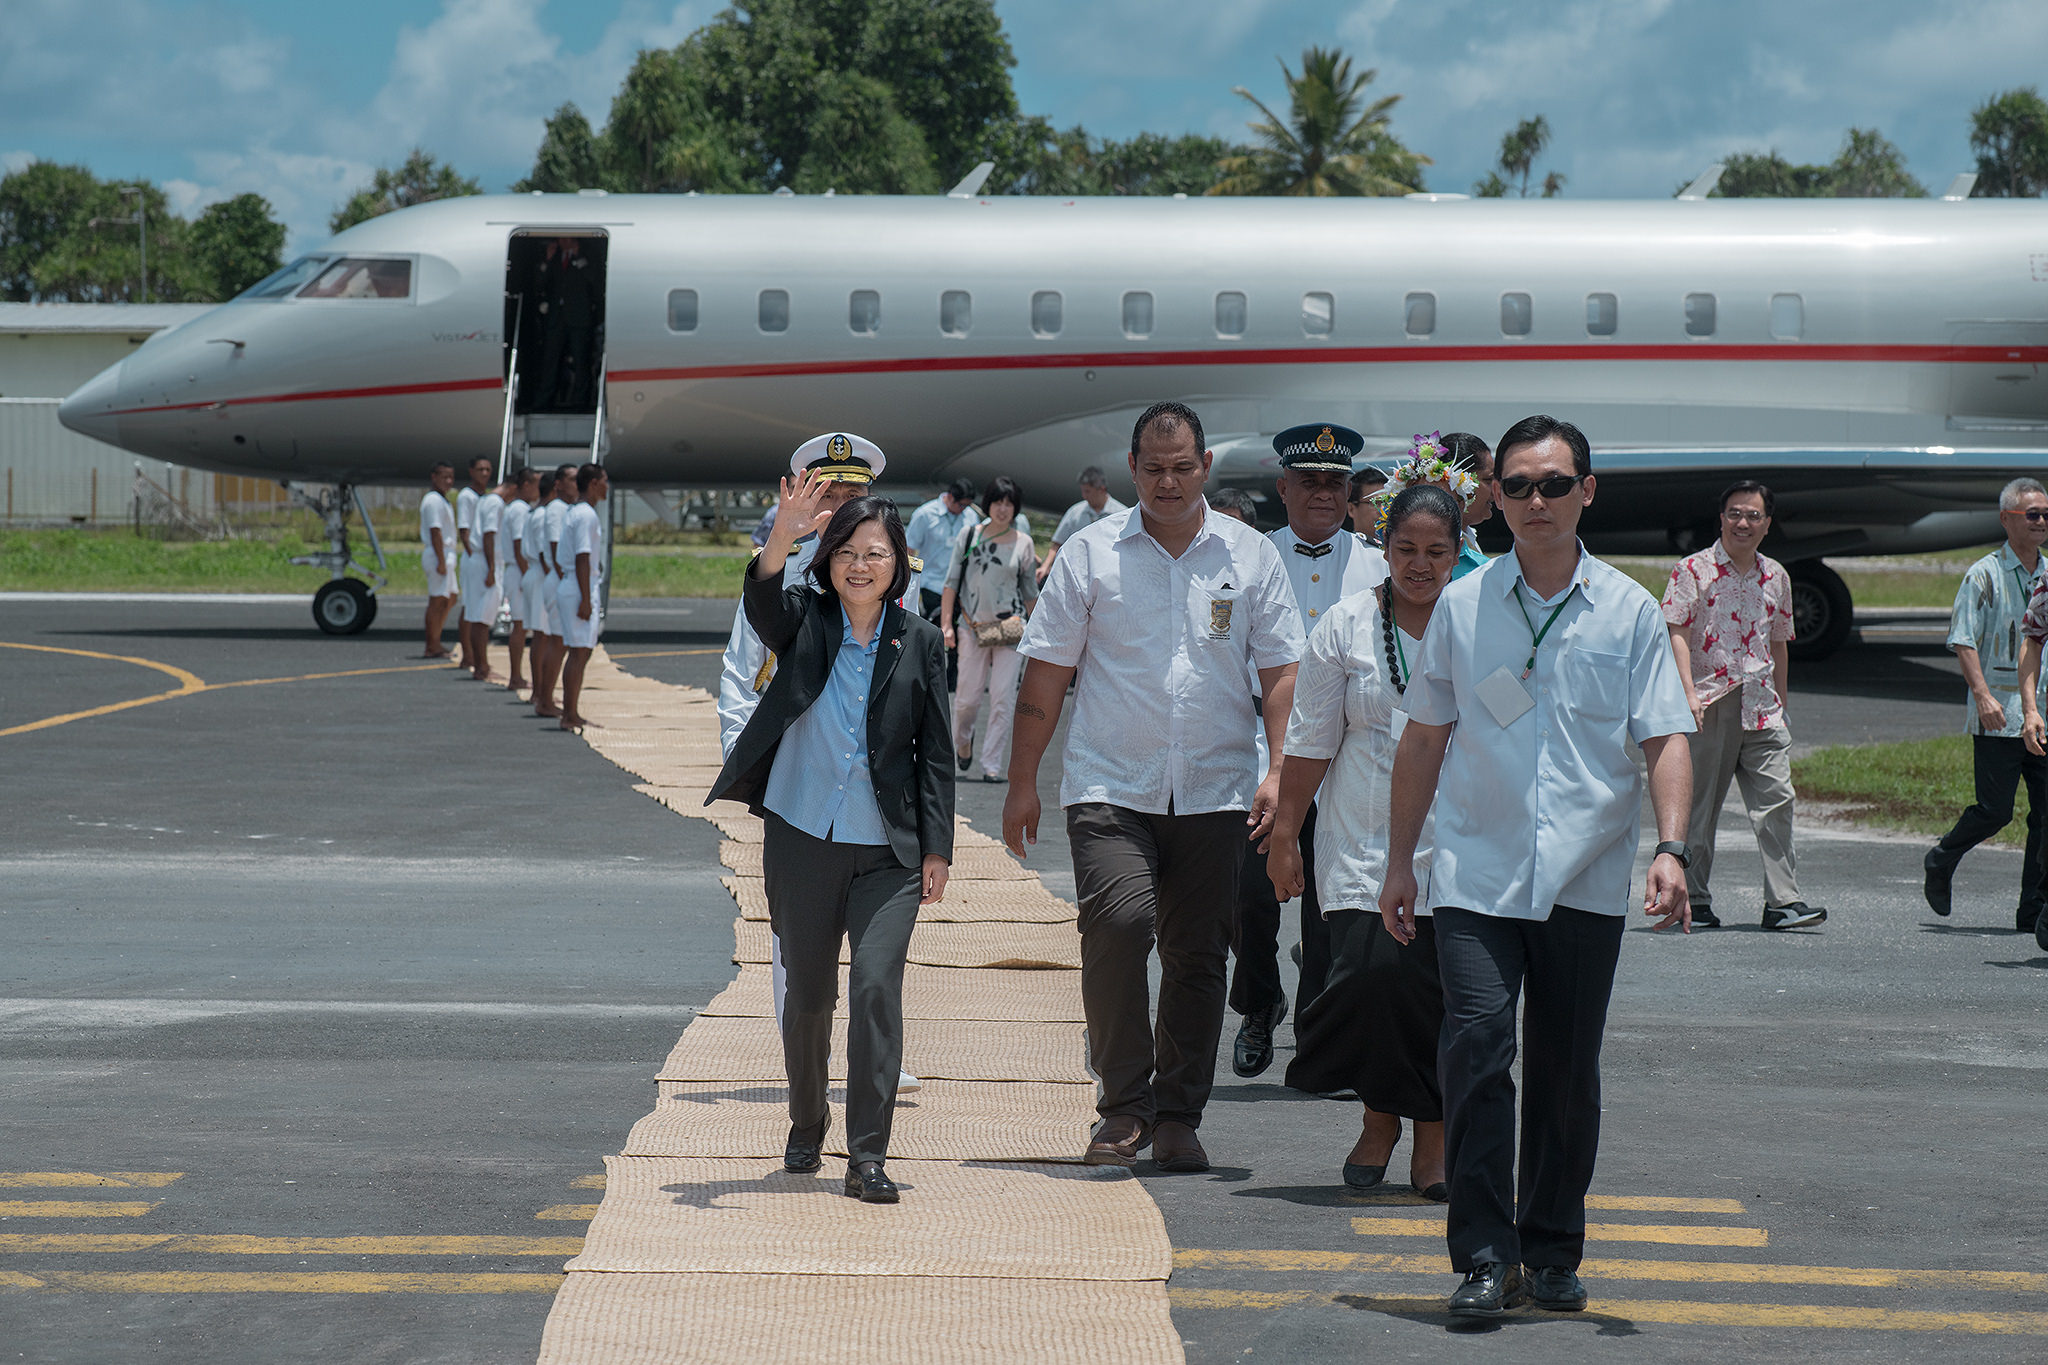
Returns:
point(937, 944)
point(934, 993)
point(748, 1048)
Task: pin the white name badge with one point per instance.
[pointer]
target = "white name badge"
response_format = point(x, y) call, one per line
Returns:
point(1502, 694)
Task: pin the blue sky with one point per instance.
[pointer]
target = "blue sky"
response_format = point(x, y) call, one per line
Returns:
point(299, 101)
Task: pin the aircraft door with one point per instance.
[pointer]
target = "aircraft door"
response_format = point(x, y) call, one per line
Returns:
point(1996, 380)
point(555, 320)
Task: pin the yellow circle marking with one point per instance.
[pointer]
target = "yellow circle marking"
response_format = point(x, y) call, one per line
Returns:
point(188, 683)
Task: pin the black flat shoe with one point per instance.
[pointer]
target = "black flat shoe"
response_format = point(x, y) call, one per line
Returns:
point(1363, 1177)
point(800, 1155)
point(1556, 1288)
point(1490, 1289)
point(1253, 1051)
point(1937, 888)
point(965, 761)
point(1439, 1193)
point(867, 1183)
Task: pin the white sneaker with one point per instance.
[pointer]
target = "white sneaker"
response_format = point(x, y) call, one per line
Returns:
point(905, 1082)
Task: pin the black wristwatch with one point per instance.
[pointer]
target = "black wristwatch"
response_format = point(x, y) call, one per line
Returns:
point(1678, 849)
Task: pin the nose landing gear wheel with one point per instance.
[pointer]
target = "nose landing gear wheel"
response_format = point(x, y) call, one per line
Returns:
point(1823, 613)
point(344, 606)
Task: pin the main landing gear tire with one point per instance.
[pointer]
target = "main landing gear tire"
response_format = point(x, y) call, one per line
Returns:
point(1823, 613)
point(344, 606)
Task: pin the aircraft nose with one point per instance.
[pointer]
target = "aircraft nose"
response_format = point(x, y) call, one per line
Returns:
point(91, 410)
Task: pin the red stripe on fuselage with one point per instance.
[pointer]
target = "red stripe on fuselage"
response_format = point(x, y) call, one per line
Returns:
point(324, 395)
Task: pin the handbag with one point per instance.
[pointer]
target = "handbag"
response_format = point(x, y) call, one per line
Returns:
point(1004, 630)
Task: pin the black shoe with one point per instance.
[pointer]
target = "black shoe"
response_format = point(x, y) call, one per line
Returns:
point(1556, 1288)
point(1938, 879)
point(2041, 932)
point(867, 1183)
point(1253, 1051)
point(1490, 1289)
point(1794, 915)
point(2026, 919)
point(965, 760)
point(800, 1155)
point(1703, 917)
point(1363, 1177)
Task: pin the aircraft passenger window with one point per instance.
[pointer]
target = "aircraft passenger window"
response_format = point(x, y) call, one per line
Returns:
point(864, 311)
point(357, 277)
point(1045, 313)
point(682, 310)
point(956, 312)
point(1230, 314)
point(1603, 315)
point(1515, 314)
point(285, 281)
point(1318, 314)
point(1699, 315)
point(1420, 314)
point(775, 310)
point(1788, 317)
point(1138, 313)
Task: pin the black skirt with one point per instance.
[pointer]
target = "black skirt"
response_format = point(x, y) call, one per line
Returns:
point(1374, 1027)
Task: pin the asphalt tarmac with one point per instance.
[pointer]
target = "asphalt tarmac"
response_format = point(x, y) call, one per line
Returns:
point(310, 968)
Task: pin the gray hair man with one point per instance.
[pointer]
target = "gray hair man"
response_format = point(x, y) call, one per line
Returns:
point(1095, 504)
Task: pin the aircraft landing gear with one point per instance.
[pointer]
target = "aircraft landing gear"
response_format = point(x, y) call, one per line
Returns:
point(1823, 613)
point(344, 605)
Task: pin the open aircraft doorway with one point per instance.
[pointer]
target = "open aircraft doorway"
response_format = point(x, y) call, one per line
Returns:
point(554, 337)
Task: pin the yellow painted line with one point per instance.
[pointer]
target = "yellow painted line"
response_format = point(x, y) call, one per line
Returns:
point(281, 1282)
point(188, 683)
point(132, 1180)
point(76, 1208)
point(1655, 1203)
point(1701, 1272)
point(232, 1244)
point(14, 1279)
point(1672, 1233)
point(569, 1213)
point(320, 677)
point(588, 1182)
point(1671, 1311)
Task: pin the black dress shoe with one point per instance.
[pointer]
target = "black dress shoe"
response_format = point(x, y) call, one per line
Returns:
point(1703, 917)
point(800, 1155)
point(1556, 1288)
point(1939, 875)
point(1363, 1177)
point(2025, 919)
point(1253, 1051)
point(2041, 932)
point(1794, 915)
point(1439, 1193)
point(867, 1183)
point(1490, 1289)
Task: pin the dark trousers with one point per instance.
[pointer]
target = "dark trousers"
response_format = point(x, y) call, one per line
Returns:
point(1255, 934)
point(1566, 963)
point(930, 612)
point(818, 893)
point(2001, 763)
point(1146, 879)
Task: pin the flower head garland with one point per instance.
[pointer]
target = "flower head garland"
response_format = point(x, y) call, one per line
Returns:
point(1427, 463)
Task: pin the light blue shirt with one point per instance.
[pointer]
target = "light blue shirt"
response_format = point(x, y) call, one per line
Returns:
point(1989, 603)
point(820, 781)
point(1470, 557)
point(931, 534)
point(1545, 810)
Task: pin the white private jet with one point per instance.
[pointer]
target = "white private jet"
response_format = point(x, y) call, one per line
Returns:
point(1879, 363)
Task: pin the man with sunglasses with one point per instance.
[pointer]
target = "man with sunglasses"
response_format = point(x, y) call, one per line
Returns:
point(1730, 613)
point(1535, 673)
point(1985, 633)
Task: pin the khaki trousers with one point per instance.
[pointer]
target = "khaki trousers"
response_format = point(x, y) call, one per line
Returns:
point(1759, 762)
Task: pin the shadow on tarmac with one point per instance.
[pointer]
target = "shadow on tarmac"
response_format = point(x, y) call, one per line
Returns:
point(1431, 1313)
point(1389, 1196)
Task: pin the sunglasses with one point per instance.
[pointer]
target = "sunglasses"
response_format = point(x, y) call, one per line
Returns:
point(1556, 486)
point(2036, 514)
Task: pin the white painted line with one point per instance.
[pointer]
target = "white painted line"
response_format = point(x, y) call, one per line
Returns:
point(239, 599)
point(20, 1013)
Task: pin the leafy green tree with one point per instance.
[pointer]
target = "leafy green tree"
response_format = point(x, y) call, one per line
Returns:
point(2009, 134)
point(1032, 157)
point(861, 143)
point(1518, 152)
point(420, 180)
point(235, 243)
point(948, 63)
point(68, 237)
point(660, 136)
point(1331, 142)
point(1767, 175)
point(42, 206)
point(568, 157)
point(1870, 167)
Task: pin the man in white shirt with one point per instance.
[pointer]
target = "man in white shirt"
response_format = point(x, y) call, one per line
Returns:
point(437, 553)
point(482, 589)
point(512, 562)
point(467, 542)
point(549, 672)
point(1325, 563)
point(1536, 672)
point(1155, 616)
point(1095, 504)
point(932, 532)
point(580, 552)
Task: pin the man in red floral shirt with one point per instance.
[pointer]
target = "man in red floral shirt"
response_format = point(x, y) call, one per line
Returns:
point(1729, 610)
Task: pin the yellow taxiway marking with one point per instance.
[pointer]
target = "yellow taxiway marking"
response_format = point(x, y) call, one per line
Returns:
point(319, 677)
point(123, 1180)
point(569, 1213)
point(188, 683)
point(1671, 1311)
point(588, 1182)
point(76, 1208)
point(1674, 1233)
point(280, 1282)
point(1602, 1268)
point(1657, 1203)
point(234, 1244)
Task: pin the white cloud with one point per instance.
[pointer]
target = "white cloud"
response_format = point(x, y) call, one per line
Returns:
point(11, 162)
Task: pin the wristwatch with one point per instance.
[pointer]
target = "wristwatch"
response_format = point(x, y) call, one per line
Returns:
point(1678, 849)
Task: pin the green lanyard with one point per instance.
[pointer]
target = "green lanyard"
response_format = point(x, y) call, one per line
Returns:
point(1402, 650)
point(1535, 635)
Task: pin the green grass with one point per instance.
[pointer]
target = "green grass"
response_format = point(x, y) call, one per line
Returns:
point(1872, 587)
point(1919, 785)
point(118, 561)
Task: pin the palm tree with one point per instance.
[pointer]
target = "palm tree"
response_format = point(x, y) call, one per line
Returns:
point(1331, 142)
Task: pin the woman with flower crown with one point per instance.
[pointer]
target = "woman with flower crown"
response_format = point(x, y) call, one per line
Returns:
point(1373, 1029)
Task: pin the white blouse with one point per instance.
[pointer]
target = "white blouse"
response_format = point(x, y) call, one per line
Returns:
point(1345, 711)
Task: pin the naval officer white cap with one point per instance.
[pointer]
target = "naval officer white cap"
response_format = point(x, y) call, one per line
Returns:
point(840, 456)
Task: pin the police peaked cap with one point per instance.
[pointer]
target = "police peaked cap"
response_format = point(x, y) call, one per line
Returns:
point(1318, 446)
point(841, 457)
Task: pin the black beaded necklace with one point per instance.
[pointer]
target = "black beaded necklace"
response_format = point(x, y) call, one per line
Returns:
point(1386, 591)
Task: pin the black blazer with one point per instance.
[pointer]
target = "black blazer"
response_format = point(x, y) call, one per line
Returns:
point(910, 733)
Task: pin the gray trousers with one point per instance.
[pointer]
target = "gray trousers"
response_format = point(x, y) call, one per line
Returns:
point(818, 893)
point(1146, 879)
point(1759, 762)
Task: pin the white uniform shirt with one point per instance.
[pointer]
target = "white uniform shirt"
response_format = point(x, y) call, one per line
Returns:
point(490, 519)
point(512, 529)
point(435, 512)
point(1320, 582)
point(1081, 516)
point(558, 512)
point(746, 656)
point(582, 534)
point(1162, 713)
point(465, 518)
point(1546, 810)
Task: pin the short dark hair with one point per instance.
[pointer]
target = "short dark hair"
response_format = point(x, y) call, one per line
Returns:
point(1536, 430)
point(1093, 477)
point(480, 459)
point(566, 471)
point(1169, 418)
point(1425, 500)
point(547, 482)
point(1003, 488)
point(961, 489)
point(840, 529)
point(1370, 476)
point(1235, 501)
point(1465, 449)
point(1749, 486)
point(437, 466)
point(588, 475)
point(521, 473)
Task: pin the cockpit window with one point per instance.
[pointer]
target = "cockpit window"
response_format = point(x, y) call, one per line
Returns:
point(286, 281)
point(361, 277)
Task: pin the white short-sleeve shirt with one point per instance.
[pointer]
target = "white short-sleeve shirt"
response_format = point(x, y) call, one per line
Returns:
point(436, 513)
point(465, 515)
point(490, 519)
point(558, 512)
point(1162, 710)
point(580, 536)
point(513, 530)
point(1547, 809)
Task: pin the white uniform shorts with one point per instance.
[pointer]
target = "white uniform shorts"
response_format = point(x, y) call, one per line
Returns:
point(577, 633)
point(512, 587)
point(479, 603)
point(534, 608)
point(438, 584)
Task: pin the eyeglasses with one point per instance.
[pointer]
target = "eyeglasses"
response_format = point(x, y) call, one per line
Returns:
point(1555, 486)
point(2036, 514)
point(873, 559)
point(1740, 515)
